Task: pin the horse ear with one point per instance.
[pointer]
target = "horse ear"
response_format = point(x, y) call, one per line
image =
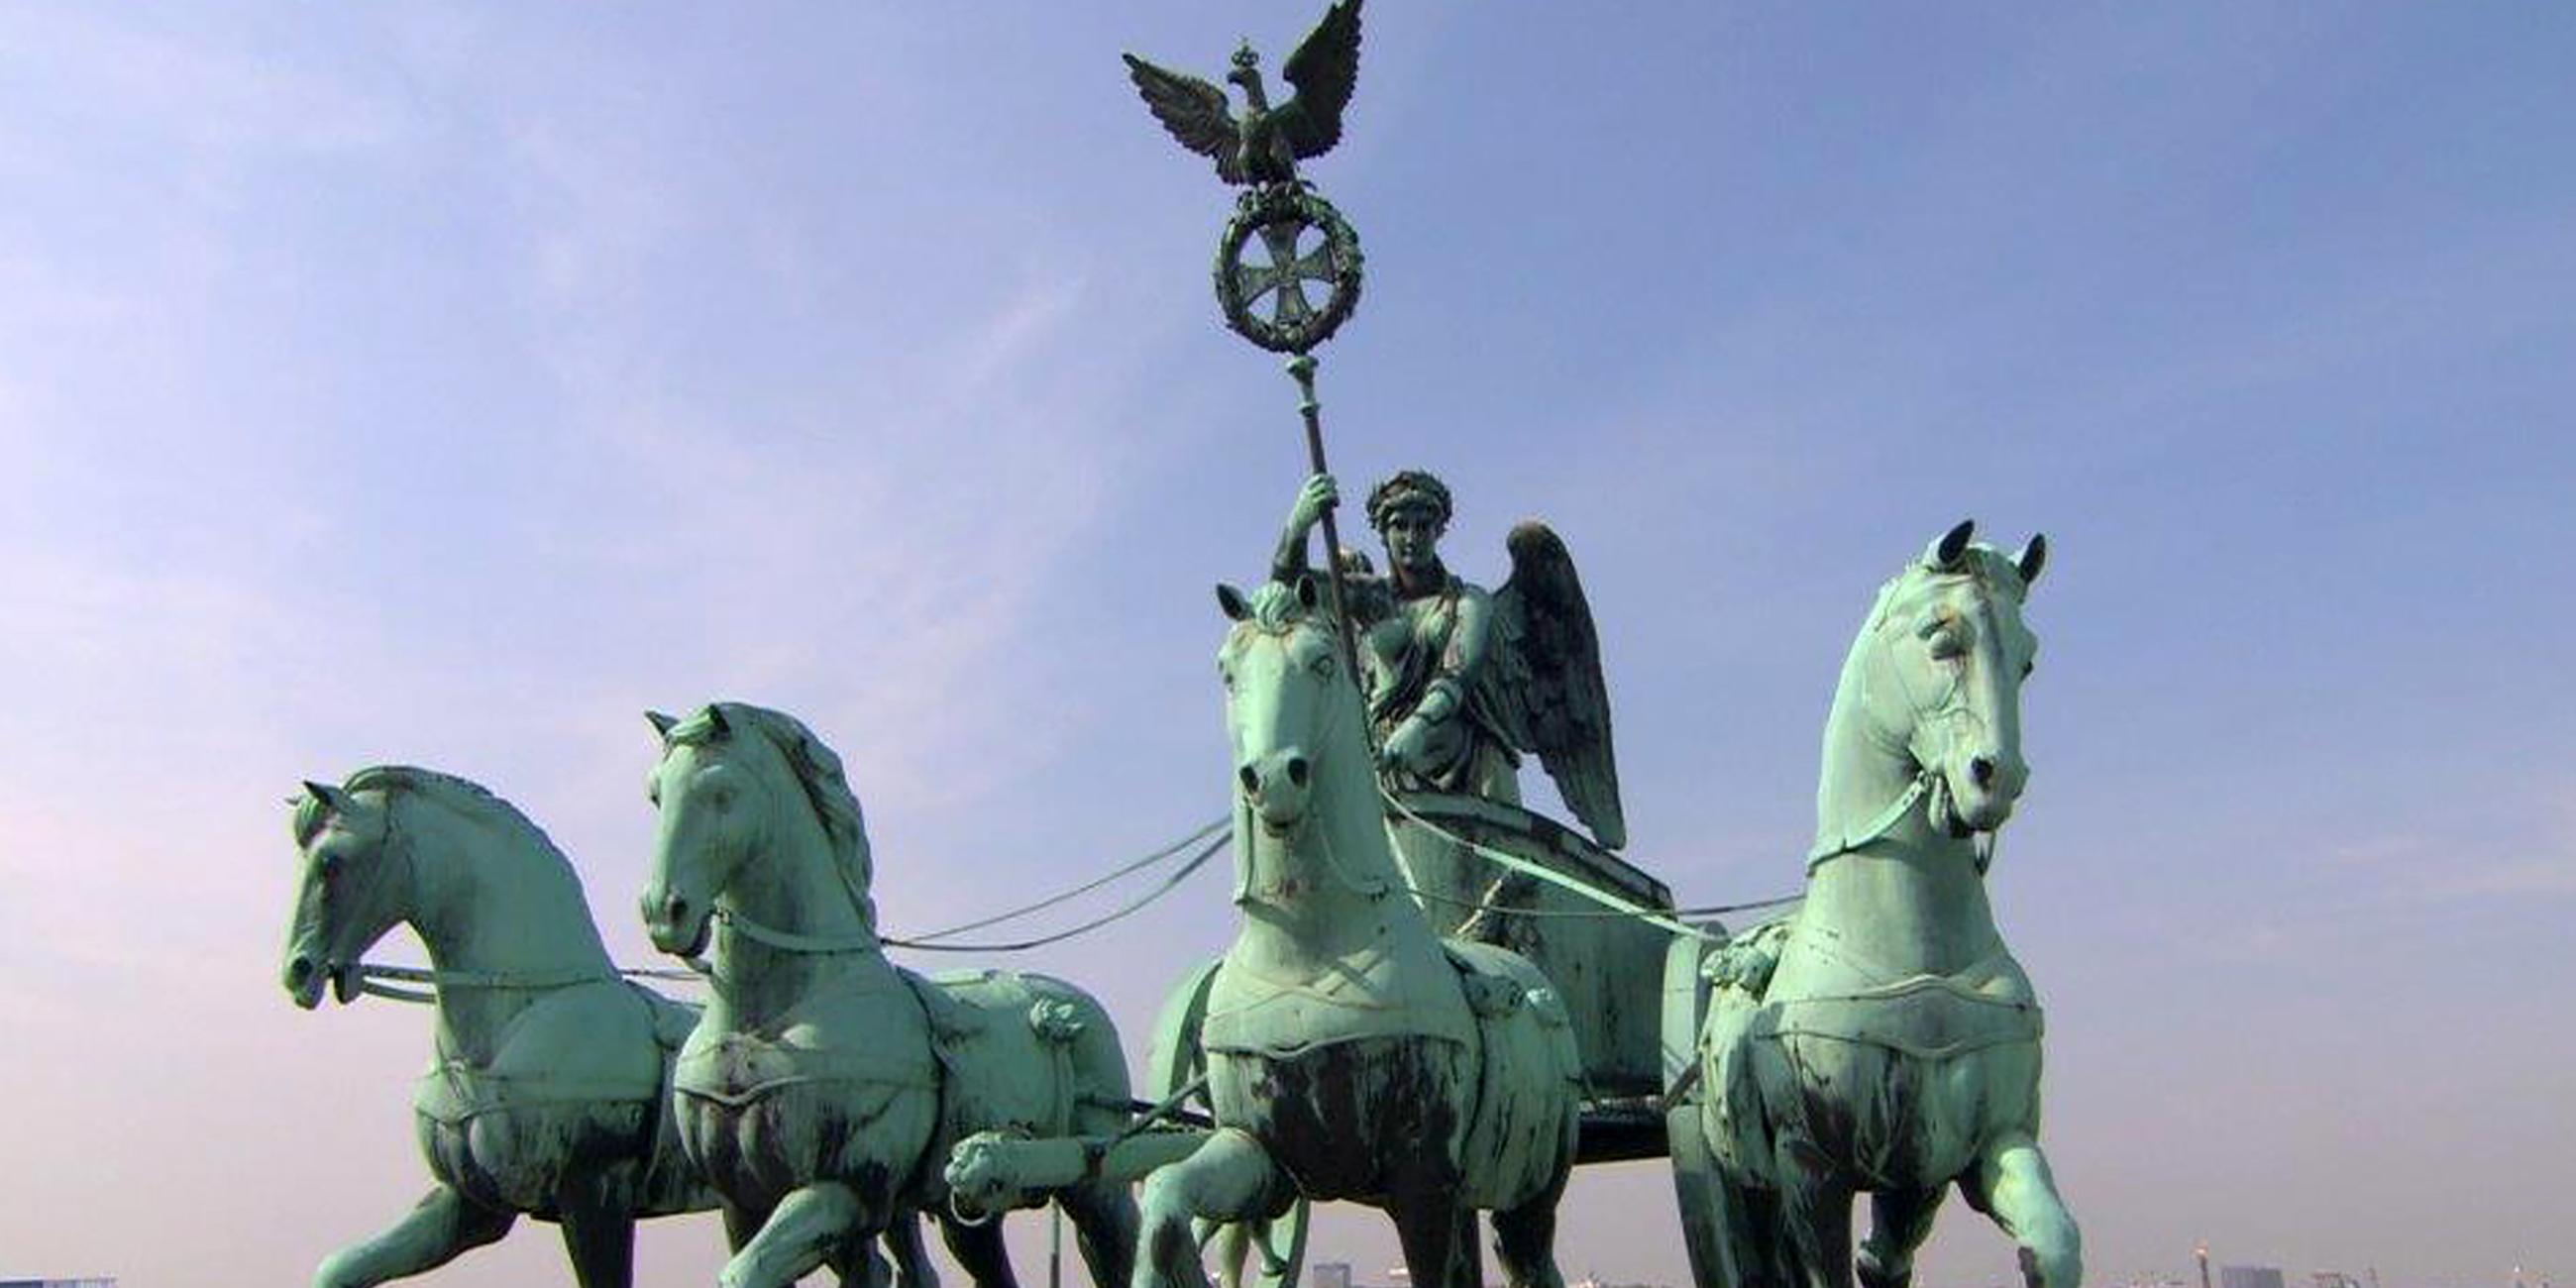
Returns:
point(716, 722)
point(1307, 594)
point(332, 798)
point(2032, 558)
point(1232, 601)
point(1944, 554)
point(662, 724)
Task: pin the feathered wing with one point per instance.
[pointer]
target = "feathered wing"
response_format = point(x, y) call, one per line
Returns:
point(1194, 111)
point(1543, 680)
point(1324, 69)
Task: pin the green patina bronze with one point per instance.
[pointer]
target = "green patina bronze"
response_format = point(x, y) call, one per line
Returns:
point(1461, 683)
point(547, 1088)
point(1350, 1053)
point(823, 1087)
point(1304, 241)
point(1882, 1039)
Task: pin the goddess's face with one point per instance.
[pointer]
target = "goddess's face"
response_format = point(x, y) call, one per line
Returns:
point(1412, 534)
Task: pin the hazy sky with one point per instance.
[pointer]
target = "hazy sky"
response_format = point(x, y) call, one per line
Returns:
point(448, 384)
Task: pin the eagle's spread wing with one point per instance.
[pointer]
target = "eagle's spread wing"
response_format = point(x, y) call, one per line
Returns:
point(1544, 680)
point(1194, 111)
point(1324, 69)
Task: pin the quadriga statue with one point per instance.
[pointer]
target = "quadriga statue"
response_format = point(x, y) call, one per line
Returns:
point(1883, 1039)
point(823, 1088)
point(548, 1085)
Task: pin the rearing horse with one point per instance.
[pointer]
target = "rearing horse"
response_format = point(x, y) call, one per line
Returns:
point(1883, 1039)
point(823, 1087)
point(1349, 1056)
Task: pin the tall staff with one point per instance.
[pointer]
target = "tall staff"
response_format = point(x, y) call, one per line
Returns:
point(1300, 239)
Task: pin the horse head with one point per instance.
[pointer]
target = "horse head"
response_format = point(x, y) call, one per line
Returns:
point(1951, 640)
point(353, 885)
point(739, 784)
point(1285, 699)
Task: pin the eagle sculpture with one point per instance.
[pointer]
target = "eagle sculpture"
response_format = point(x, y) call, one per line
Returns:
point(1263, 145)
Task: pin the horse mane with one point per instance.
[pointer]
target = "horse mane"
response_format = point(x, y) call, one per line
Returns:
point(818, 771)
point(1275, 607)
point(463, 795)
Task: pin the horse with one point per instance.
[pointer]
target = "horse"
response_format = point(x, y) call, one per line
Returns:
point(1882, 1039)
point(546, 1095)
point(1351, 1054)
point(823, 1087)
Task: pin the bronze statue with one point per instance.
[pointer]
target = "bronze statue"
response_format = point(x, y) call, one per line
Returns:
point(1263, 145)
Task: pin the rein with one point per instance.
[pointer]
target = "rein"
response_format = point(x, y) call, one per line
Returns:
point(1617, 905)
point(368, 973)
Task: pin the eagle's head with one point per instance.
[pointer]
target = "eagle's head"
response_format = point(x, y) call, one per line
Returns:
point(1247, 65)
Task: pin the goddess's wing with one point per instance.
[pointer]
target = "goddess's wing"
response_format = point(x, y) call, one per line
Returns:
point(1543, 680)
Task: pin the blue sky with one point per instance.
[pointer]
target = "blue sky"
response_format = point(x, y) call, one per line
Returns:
point(448, 385)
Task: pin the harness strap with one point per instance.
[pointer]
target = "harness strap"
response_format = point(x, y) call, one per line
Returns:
point(1831, 846)
point(790, 941)
point(1553, 877)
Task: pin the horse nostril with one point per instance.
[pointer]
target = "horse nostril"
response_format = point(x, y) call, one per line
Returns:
point(299, 970)
point(1981, 769)
point(674, 910)
point(1251, 780)
point(1297, 770)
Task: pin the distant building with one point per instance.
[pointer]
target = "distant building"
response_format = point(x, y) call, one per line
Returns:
point(1330, 1274)
point(58, 1283)
point(2249, 1277)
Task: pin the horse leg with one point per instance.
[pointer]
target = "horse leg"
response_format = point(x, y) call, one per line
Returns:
point(1525, 1240)
point(912, 1268)
point(598, 1233)
point(980, 1252)
point(1104, 1230)
point(1816, 1213)
point(1233, 1242)
point(2015, 1188)
point(1899, 1222)
point(441, 1226)
point(741, 1224)
point(1438, 1234)
point(802, 1232)
point(856, 1263)
point(1230, 1178)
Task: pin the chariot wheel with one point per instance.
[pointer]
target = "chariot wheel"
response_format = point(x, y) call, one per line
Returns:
point(1278, 1244)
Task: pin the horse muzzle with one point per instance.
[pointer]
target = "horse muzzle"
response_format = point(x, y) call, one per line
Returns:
point(1277, 785)
point(306, 978)
point(1978, 793)
point(677, 924)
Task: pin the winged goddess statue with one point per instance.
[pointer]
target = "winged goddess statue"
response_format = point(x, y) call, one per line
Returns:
point(1462, 681)
point(1264, 144)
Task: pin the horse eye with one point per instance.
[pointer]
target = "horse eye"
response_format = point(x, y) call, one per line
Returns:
point(2027, 668)
point(1945, 644)
point(1324, 666)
